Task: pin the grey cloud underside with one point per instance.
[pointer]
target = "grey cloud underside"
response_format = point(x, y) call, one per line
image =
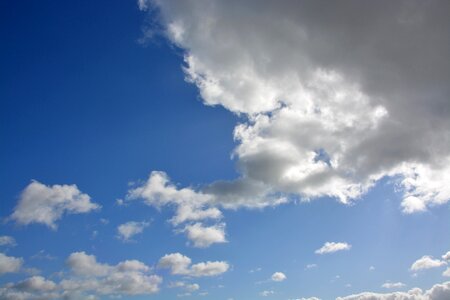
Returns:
point(337, 94)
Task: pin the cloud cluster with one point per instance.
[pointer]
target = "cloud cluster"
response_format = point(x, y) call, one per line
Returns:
point(437, 292)
point(43, 204)
point(86, 279)
point(190, 206)
point(334, 98)
point(331, 247)
point(179, 264)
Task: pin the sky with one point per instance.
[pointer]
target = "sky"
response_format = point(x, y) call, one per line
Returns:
point(225, 150)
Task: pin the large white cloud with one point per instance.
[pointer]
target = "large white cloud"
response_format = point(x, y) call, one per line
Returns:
point(437, 292)
point(43, 204)
point(335, 97)
point(9, 264)
point(181, 265)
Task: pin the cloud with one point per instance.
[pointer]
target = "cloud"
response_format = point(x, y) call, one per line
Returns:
point(446, 256)
point(6, 240)
point(129, 277)
point(437, 292)
point(9, 264)
point(311, 266)
point(322, 117)
point(278, 277)
point(393, 285)
point(266, 293)
point(426, 262)
point(189, 287)
point(43, 204)
point(127, 230)
point(331, 247)
point(35, 284)
point(446, 273)
point(203, 237)
point(181, 265)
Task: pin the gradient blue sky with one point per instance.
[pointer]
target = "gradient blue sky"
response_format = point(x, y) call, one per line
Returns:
point(83, 102)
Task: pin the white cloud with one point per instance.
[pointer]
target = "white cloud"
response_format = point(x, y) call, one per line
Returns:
point(446, 273)
point(6, 240)
point(127, 230)
point(181, 265)
point(43, 204)
point(393, 285)
point(35, 284)
point(266, 293)
point(426, 262)
point(331, 247)
point(278, 276)
point(322, 117)
point(437, 292)
point(9, 264)
point(189, 287)
point(446, 256)
point(203, 237)
point(311, 266)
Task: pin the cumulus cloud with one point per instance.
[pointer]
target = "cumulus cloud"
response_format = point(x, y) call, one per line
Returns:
point(393, 285)
point(181, 265)
point(87, 279)
point(189, 287)
point(331, 247)
point(127, 230)
point(278, 277)
point(9, 264)
point(203, 237)
point(6, 240)
point(426, 262)
point(43, 204)
point(321, 116)
point(446, 256)
point(437, 292)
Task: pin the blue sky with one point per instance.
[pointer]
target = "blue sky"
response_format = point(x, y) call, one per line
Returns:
point(196, 139)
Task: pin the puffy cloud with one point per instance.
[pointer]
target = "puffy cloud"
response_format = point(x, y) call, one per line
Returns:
point(129, 277)
point(446, 256)
point(189, 287)
point(446, 273)
point(426, 262)
point(203, 237)
point(43, 204)
point(35, 284)
point(6, 240)
point(323, 117)
point(181, 265)
point(393, 285)
point(278, 276)
point(331, 247)
point(127, 230)
point(437, 292)
point(9, 264)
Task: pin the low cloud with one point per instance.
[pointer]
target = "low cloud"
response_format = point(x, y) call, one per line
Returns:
point(331, 247)
point(39, 203)
point(10, 264)
point(278, 277)
point(179, 264)
point(127, 230)
point(427, 262)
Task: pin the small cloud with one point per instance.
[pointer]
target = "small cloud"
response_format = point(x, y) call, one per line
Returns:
point(371, 268)
point(393, 285)
point(310, 266)
point(278, 277)
point(266, 293)
point(331, 247)
point(127, 230)
point(255, 270)
point(8, 241)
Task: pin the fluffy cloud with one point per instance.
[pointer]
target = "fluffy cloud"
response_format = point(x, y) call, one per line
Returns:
point(330, 247)
point(446, 256)
point(437, 292)
point(9, 264)
point(393, 285)
point(278, 276)
point(323, 117)
point(127, 230)
point(426, 262)
point(181, 265)
point(6, 240)
point(43, 204)
point(87, 279)
point(203, 237)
